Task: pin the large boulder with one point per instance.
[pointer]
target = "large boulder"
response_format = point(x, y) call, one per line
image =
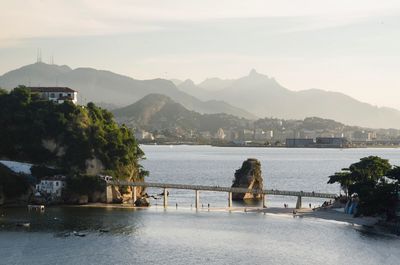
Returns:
point(248, 177)
point(142, 202)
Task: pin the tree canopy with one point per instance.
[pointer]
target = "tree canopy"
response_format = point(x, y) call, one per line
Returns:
point(65, 135)
point(375, 181)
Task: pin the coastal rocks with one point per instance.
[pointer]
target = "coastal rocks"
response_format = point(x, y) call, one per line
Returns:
point(54, 147)
point(113, 195)
point(248, 177)
point(94, 166)
point(97, 196)
point(83, 199)
point(77, 199)
point(142, 202)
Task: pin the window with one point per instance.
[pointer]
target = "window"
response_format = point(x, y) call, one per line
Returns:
point(60, 95)
point(52, 95)
point(56, 183)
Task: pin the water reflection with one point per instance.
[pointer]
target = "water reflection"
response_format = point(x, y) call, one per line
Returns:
point(158, 236)
point(64, 220)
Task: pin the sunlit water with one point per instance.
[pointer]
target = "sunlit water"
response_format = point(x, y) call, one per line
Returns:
point(294, 169)
point(184, 236)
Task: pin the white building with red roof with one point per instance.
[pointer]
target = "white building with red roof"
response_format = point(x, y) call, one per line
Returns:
point(56, 94)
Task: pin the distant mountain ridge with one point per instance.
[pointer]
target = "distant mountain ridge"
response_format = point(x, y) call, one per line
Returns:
point(265, 97)
point(110, 88)
point(252, 96)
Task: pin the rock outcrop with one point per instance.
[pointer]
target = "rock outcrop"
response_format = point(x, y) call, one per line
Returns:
point(249, 177)
point(142, 202)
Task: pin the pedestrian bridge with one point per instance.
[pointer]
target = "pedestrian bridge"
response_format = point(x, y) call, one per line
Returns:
point(229, 190)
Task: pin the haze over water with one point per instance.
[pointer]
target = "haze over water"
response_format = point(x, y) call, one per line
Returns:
point(184, 236)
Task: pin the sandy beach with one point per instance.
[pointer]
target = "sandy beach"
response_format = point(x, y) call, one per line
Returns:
point(319, 213)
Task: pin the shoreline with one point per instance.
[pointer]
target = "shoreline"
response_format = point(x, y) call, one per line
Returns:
point(274, 146)
point(319, 213)
point(373, 225)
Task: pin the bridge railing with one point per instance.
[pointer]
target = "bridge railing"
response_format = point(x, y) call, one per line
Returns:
point(223, 189)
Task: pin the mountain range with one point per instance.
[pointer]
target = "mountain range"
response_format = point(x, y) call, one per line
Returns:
point(110, 89)
point(252, 96)
point(265, 97)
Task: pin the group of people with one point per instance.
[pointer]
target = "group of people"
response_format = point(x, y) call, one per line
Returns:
point(287, 205)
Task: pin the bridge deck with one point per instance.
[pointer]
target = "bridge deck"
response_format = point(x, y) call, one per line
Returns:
point(224, 189)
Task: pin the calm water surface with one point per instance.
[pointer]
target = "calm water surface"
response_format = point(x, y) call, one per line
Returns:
point(282, 168)
point(184, 236)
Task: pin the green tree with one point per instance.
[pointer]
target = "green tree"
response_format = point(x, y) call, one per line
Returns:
point(344, 178)
point(371, 168)
point(369, 178)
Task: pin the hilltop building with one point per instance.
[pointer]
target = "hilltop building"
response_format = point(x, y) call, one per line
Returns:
point(56, 94)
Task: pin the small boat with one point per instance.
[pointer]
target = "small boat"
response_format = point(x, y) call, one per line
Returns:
point(24, 224)
point(37, 207)
point(79, 234)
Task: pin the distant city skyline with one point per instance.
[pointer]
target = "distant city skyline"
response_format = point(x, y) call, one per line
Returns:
point(348, 47)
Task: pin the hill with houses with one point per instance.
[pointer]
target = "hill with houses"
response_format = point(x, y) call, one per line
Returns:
point(158, 118)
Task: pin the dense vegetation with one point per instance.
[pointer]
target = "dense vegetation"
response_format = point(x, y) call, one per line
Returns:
point(13, 185)
point(84, 184)
point(65, 136)
point(375, 181)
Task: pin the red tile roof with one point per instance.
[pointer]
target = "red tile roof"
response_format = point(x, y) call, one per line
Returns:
point(51, 89)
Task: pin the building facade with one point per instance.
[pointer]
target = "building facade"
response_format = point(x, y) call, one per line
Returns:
point(51, 186)
point(56, 94)
point(299, 142)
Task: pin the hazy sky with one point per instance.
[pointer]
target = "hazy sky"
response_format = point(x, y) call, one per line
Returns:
point(347, 46)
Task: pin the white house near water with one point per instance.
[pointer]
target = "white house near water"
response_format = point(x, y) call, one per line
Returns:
point(51, 186)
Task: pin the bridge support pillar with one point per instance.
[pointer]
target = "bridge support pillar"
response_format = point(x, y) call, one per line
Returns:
point(264, 205)
point(165, 201)
point(134, 194)
point(229, 199)
point(298, 203)
point(197, 202)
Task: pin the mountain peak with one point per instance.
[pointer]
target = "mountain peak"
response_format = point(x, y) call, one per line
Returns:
point(253, 72)
point(188, 82)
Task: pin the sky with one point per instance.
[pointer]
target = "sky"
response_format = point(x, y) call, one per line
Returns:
point(351, 47)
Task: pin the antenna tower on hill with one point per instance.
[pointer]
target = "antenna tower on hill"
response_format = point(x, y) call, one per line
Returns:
point(39, 56)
